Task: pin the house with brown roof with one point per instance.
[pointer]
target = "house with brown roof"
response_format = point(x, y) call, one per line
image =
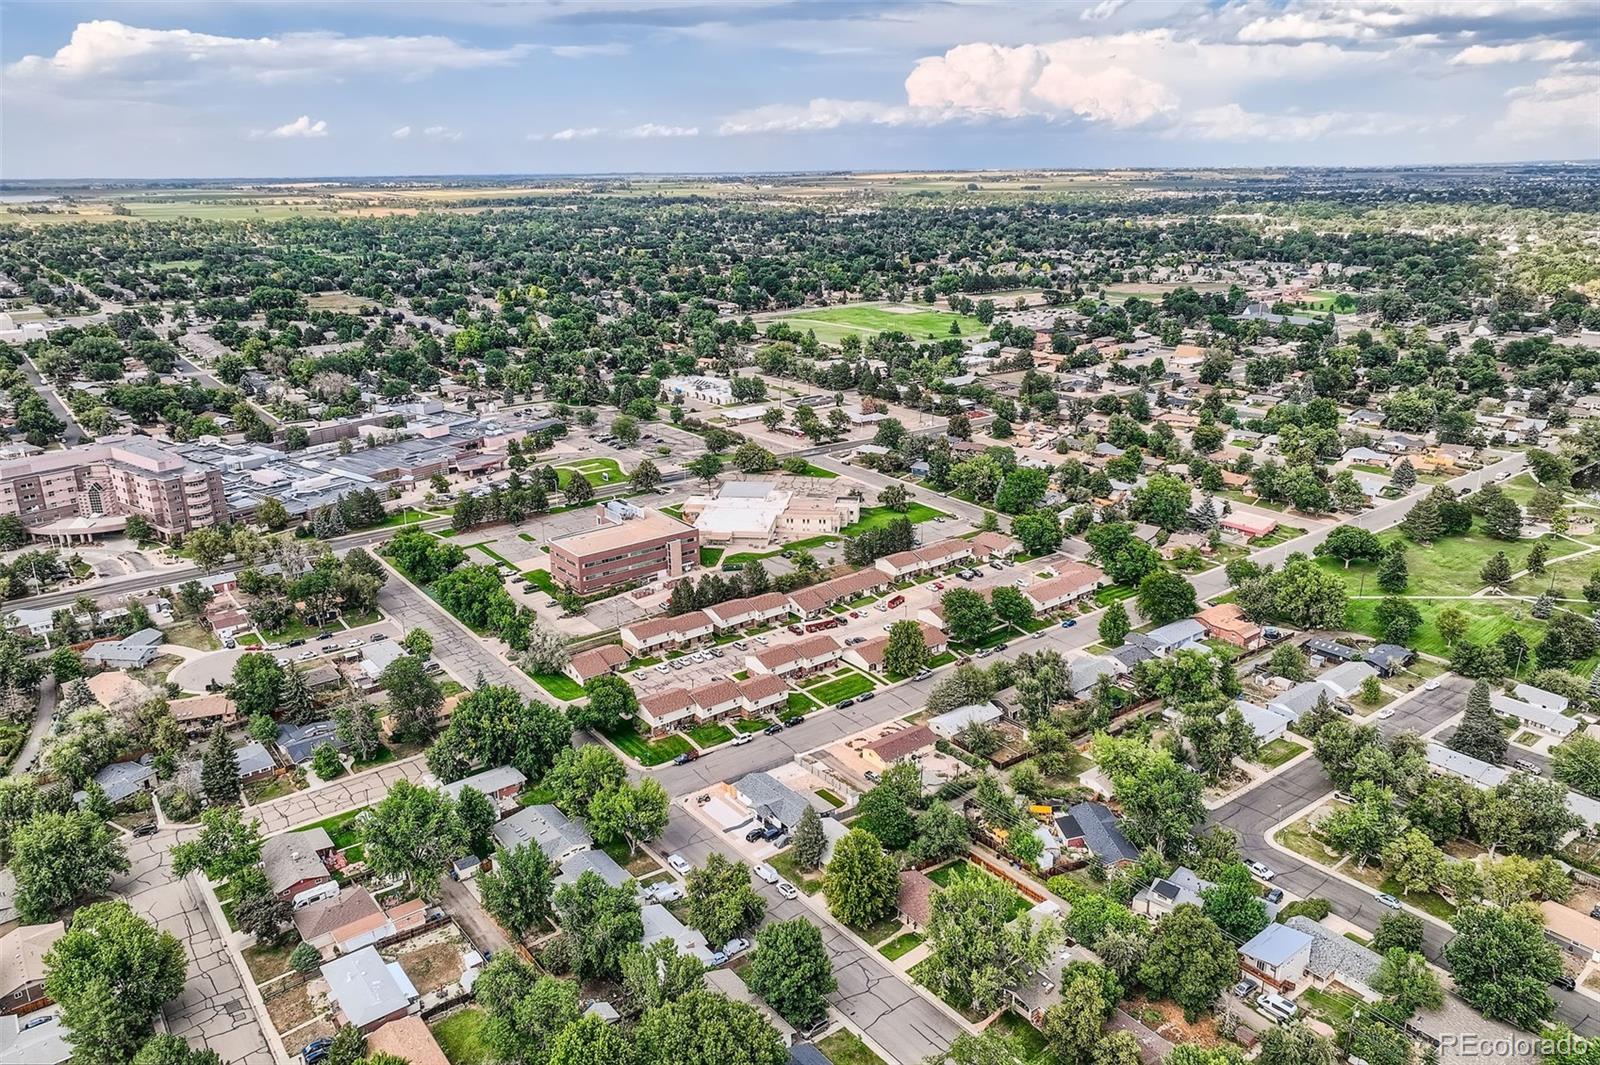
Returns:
point(795, 659)
point(751, 610)
point(914, 903)
point(661, 634)
point(987, 545)
point(870, 655)
point(819, 597)
point(22, 952)
point(117, 692)
point(920, 560)
point(334, 924)
point(1226, 622)
point(888, 749)
point(679, 707)
point(409, 1039)
point(666, 710)
point(202, 713)
point(1073, 581)
point(596, 662)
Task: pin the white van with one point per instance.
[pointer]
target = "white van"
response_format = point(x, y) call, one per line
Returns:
point(1276, 1006)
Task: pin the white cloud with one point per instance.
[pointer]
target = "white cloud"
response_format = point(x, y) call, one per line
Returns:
point(824, 114)
point(1230, 122)
point(576, 134)
point(1368, 20)
point(1558, 106)
point(1103, 10)
point(587, 51)
point(301, 127)
point(441, 133)
point(652, 130)
point(1522, 52)
point(106, 54)
point(402, 133)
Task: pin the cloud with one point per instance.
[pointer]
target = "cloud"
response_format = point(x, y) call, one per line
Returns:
point(587, 51)
point(1231, 122)
point(1103, 10)
point(441, 133)
point(824, 114)
point(301, 127)
point(996, 80)
point(1522, 52)
point(651, 130)
point(402, 133)
point(112, 55)
point(576, 134)
point(1369, 20)
point(1558, 106)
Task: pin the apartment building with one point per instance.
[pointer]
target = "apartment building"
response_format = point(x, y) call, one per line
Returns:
point(628, 545)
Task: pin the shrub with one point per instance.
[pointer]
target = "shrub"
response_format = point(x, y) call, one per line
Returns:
point(1316, 909)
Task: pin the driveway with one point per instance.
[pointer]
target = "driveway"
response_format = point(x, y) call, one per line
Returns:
point(462, 903)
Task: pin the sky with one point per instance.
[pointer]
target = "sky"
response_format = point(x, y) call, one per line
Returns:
point(245, 89)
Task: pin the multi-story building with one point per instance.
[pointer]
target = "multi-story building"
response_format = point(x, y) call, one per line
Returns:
point(629, 545)
point(83, 492)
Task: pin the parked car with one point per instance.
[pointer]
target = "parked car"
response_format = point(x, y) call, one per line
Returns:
point(772, 832)
point(755, 833)
point(845, 704)
point(1244, 988)
point(735, 947)
point(1274, 895)
point(316, 1050)
point(1565, 982)
point(1069, 623)
point(663, 891)
point(1432, 685)
point(325, 634)
point(378, 637)
point(864, 696)
point(1530, 768)
point(743, 738)
point(767, 873)
point(685, 758)
point(1388, 900)
point(773, 729)
point(229, 642)
point(787, 890)
point(923, 674)
point(1259, 871)
point(147, 828)
point(679, 863)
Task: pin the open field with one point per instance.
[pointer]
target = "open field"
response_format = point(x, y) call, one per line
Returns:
point(596, 471)
point(1447, 567)
point(923, 322)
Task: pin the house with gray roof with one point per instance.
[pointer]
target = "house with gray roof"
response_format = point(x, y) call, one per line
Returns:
point(295, 862)
point(1267, 722)
point(1278, 955)
point(1086, 673)
point(502, 783)
point(1167, 893)
point(1345, 679)
point(659, 924)
point(1389, 658)
point(559, 836)
point(369, 991)
point(122, 780)
point(1092, 827)
point(770, 800)
point(300, 742)
point(597, 862)
point(130, 652)
point(1335, 958)
point(1299, 699)
point(1186, 632)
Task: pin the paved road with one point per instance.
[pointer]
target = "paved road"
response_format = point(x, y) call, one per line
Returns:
point(456, 647)
point(73, 433)
point(901, 1021)
point(1254, 814)
point(40, 729)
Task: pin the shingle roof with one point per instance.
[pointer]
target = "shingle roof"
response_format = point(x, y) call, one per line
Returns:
point(292, 857)
point(1333, 954)
point(366, 988)
point(896, 745)
point(772, 799)
point(1102, 833)
point(325, 915)
point(592, 861)
point(598, 661)
point(488, 781)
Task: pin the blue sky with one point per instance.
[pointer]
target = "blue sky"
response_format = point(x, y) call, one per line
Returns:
point(174, 89)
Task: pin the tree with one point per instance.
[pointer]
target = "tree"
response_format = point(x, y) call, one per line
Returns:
point(706, 467)
point(257, 909)
point(1165, 596)
point(219, 770)
point(977, 948)
point(893, 496)
point(863, 882)
point(358, 727)
point(59, 857)
point(326, 763)
point(1010, 605)
point(1452, 624)
point(655, 975)
point(1536, 559)
point(1350, 543)
point(792, 971)
point(1523, 814)
point(517, 891)
point(1398, 618)
point(172, 1050)
point(1496, 572)
point(1393, 575)
point(1502, 964)
point(414, 698)
point(1502, 519)
point(581, 773)
point(611, 702)
point(1413, 861)
point(588, 1041)
point(478, 815)
point(1398, 929)
point(907, 651)
point(1576, 763)
point(226, 846)
point(721, 902)
point(413, 833)
point(1480, 733)
point(941, 833)
point(645, 476)
point(704, 1028)
point(1189, 961)
point(1295, 1044)
point(1163, 501)
point(810, 842)
point(1039, 531)
point(305, 959)
point(1404, 476)
point(1232, 903)
point(634, 813)
point(257, 681)
point(1289, 662)
point(967, 614)
point(1160, 798)
point(1114, 625)
point(601, 923)
point(110, 973)
point(418, 642)
point(524, 1011)
point(883, 812)
point(1422, 523)
point(1072, 1027)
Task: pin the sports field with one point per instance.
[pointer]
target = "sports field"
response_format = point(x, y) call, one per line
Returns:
point(832, 324)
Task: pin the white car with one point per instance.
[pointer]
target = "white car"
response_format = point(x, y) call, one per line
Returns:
point(354, 643)
point(767, 873)
point(1388, 900)
point(664, 891)
point(679, 863)
point(735, 948)
point(663, 668)
point(639, 675)
point(788, 890)
point(1259, 871)
point(1432, 685)
point(304, 655)
point(743, 738)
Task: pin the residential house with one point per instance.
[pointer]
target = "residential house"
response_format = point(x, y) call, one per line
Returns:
point(1277, 955)
point(1267, 722)
point(377, 657)
point(1442, 759)
point(1337, 959)
point(771, 801)
point(22, 972)
point(1332, 650)
point(730, 985)
point(559, 836)
point(367, 991)
point(668, 633)
point(130, 652)
point(1365, 456)
point(660, 923)
point(1389, 658)
point(1093, 827)
point(34, 1039)
point(296, 865)
point(663, 711)
point(851, 586)
point(920, 560)
point(122, 780)
point(202, 713)
point(255, 762)
point(870, 655)
point(1086, 673)
point(597, 862)
point(342, 923)
point(796, 659)
point(1167, 893)
point(1345, 679)
point(1073, 581)
point(915, 901)
point(1539, 718)
point(987, 545)
point(1299, 699)
point(409, 1039)
point(1539, 697)
point(596, 662)
point(749, 611)
point(501, 784)
point(300, 742)
point(892, 747)
point(1572, 930)
point(1248, 526)
point(948, 725)
point(1227, 623)
point(1186, 632)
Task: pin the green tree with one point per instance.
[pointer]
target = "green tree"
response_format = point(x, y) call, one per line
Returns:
point(413, 834)
point(630, 812)
point(1480, 733)
point(110, 973)
point(418, 642)
point(59, 857)
point(704, 1028)
point(525, 1011)
point(1114, 625)
point(810, 842)
point(611, 702)
point(1502, 964)
point(226, 846)
point(588, 1041)
point(172, 1050)
point(219, 770)
point(1189, 961)
point(1039, 532)
point(1496, 572)
point(257, 681)
point(1350, 543)
point(1011, 606)
point(1074, 1026)
point(721, 902)
point(478, 815)
point(978, 949)
point(601, 923)
point(1452, 624)
point(863, 882)
point(1295, 1044)
point(967, 614)
point(941, 833)
point(1232, 903)
point(517, 891)
point(1393, 575)
point(1165, 596)
point(907, 651)
point(326, 763)
point(884, 812)
point(580, 774)
point(792, 971)
point(414, 698)
point(257, 909)
point(1398, 928)
point(1413, 861)
point(1406, 983)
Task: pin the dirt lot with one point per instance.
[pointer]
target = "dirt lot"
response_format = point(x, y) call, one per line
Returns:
point(291, 1009)
point(432, 967)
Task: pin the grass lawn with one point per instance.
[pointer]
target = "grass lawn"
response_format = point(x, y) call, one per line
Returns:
point(294, 629)
point(832, 324)
point(800, 704)
point(1449, 566)
point(267, 962)
point(710, 735)
point(962, 869)
point(844, 1047)
point(646, 751)
point(878, 931)
point(784, 863)
point(594, 470)
point(408, 516)
point(1278, 752)
point(709, 556)
point(460, 1036)
point(1116, 593)
point(1281, 535)
point(193, 635)
point(830, 798)
point(1487, 620)
point(1025, 1038)
point(901, 945)
point(751, 724)
point(340, 828)
point(877, 517)
point(1329, 1005)
point(1298, 838)
point(836, 691)
point(813, 470)
point(559, 685)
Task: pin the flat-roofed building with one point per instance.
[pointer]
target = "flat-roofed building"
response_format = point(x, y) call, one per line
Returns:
point(763, 512)
point(645, 544)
